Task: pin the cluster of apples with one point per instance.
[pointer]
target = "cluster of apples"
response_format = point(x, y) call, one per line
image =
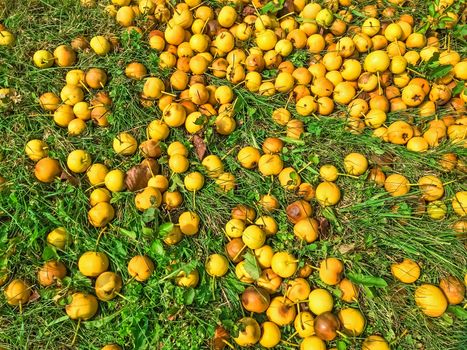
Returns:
point(366, 68)
point(280, 289)
point(432, 191)
point(431, 187)
point(94, 265)
point(70, 110)
point(432, 300)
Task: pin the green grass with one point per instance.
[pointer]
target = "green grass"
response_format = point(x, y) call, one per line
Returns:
point(365, 233)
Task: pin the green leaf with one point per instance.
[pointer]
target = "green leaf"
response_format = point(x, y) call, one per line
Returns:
point(57, 321)
point(341, 345)
point(366, 280)
point(101, 321)
point(458, 88)
point(189, 296)
point(157, 247)
point(165, 229)
point(270, 7)
point(251, 111)
point(201, 120)
point(458, 311)
point(369, 293)
point(49, 253)
point(291, 140)
point(440, 71)
point(251, 266)
point(431, 9)
point(131, 234)
point(149, 215)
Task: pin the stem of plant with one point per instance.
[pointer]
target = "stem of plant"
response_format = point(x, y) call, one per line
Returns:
point(122, 296)
point(99, 236)
point(168, 93)
point(348, 175)
point(239, 252)
point(304, 167)
point(293, 334)
point(228, 344)
point(130, 280)
point(290, 344)
point(76, 332)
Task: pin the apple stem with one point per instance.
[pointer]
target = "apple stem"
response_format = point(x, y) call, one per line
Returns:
point(199, 5)
point(415, 72)
point(286, 15)
point(168, 93)
point(20, 308)
point(240, 83)
point(204, 26)
point(306, 166)
point(100, 235)
point(228, 153)
point(240, 252)
point(122, 296)
point(290, 344)
point(449, 182)
point(130, 280)
point(76, 332)
point(348, 175)
point(294, 334)
point(398, 47)
point(228, 344)
point(342, 334)
point(288, 100)
point(379, 82)
point(259, 14)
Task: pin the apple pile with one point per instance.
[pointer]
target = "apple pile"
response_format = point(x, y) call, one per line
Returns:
point(370, 72)
point(278, 287)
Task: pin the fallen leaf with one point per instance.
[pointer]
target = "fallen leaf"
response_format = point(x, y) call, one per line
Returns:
point(385, 159)
point(150, 148)
point(137, 177)
point(345, 248)
point(200, 146)
point(152, 165)
point(323, 227)
point(248, 10)
point(220, 336)
point(287, 8)
point(70, 178)
point(34, 296)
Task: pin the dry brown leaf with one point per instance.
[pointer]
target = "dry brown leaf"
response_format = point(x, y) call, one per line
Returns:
point(150, 149)
point(323, 227)
point(70, 178)
point(34, 296)
point(345, 248)
point(383, 160)
point(200, 146)
point(220, 335)
point(287, 8)
point(248, 10)
point(137, 177)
